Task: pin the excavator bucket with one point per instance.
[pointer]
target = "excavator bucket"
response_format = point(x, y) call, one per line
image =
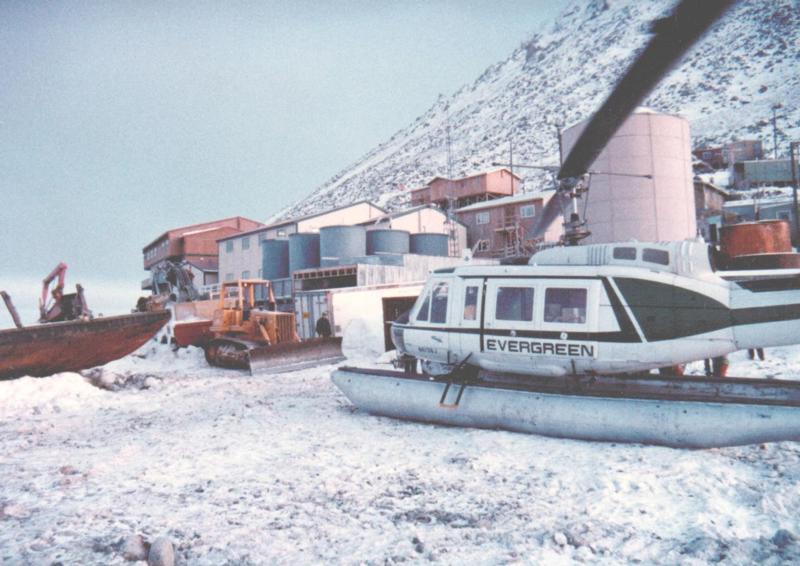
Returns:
point(292, 356)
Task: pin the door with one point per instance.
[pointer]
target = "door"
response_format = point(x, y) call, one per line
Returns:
point(510, 318)
point(393, 307)
point(467, 312)
point(429, 338)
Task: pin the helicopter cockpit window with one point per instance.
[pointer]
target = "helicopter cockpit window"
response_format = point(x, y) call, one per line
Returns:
point(565, 305)
point(514, 303)
point(470, 303)
point(624, 253)
point(656, 256)
point(439, 303)
point(422, 313)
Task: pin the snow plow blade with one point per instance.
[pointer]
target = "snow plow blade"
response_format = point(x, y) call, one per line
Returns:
point(282, 358)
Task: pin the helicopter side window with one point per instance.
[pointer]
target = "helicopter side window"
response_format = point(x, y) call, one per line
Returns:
point(514, 303)
point(422, 313)
point(625, 253)
point(439, 303)
point(470, 303)
point(565, 305)
point(660, 257)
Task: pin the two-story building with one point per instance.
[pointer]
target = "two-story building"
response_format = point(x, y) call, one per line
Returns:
point(240, 254)
point(502, 227)
point(721, 156)
point(196, 245)
point(467, 190)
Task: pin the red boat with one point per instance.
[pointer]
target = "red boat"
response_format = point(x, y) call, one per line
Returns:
point(74, 345)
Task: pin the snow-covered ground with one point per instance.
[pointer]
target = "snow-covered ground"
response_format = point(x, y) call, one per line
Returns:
point(281, 469)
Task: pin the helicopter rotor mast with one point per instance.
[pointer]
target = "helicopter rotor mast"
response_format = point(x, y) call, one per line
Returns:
point(672, 37)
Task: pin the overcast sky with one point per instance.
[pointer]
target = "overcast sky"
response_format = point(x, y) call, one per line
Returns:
point(120, 120)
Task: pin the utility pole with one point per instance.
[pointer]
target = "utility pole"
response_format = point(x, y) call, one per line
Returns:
point(511, 161)
point(560, 148)
point(793, 150)
point(449, 148)
point(775, 107)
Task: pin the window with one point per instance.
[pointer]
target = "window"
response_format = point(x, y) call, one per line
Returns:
point(624, 253)
point(246, 274)
point(514, 303)
point(527, 211)
point(783, 215)
point(229, 277)
point(246, 243)
point(655, 256)
point(422, 313)
point(482, 218)
point(565, 305)
point(439, 303)
point(471, 303)
point(229, 246)
point(281, 233)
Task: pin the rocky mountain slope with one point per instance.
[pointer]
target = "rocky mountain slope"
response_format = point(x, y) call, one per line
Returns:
point(726, 87)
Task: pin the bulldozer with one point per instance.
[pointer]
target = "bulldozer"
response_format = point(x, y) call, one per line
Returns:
point(250, 333)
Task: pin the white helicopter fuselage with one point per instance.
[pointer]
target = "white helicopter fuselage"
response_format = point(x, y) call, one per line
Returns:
point(604, 309)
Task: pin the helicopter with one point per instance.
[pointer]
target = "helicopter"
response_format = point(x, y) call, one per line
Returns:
point(563, 345)
point(601, 308)
point(596, 309)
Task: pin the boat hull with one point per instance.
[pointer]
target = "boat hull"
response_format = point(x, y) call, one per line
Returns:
point(698, 413)
point(75, 345)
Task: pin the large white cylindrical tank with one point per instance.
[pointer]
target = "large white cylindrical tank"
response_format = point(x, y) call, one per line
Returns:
point(621, 207)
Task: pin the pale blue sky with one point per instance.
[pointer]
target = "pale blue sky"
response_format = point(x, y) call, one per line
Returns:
point(119, 120)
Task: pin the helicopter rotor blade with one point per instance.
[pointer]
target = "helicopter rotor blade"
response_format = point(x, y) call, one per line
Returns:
point(673, 36)
point(551, 211)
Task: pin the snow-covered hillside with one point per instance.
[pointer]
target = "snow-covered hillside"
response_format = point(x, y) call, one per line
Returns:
point(726, 87)
point(281, 469)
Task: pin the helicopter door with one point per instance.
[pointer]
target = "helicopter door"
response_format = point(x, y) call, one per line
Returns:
point(509, 318)
point(431, 339)
point(468, 313)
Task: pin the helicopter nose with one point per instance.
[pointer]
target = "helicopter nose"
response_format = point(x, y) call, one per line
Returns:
point(398, 339)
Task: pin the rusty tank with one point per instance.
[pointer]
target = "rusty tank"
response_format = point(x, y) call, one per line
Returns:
point(762, 237)
point(765, 244)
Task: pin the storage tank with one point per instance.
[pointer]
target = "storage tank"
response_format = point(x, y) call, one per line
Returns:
point(429, 244)
point(337, 244)
point(656, 205)
point(303, 251)
point(388, 242)
point(275, 259)
point(763, 237)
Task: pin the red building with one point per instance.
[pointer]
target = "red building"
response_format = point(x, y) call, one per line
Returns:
point(502, 227)
point(467, 190)
point(734, 152)
point(197, 245)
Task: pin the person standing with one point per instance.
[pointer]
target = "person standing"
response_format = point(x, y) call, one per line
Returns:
point(323, 326)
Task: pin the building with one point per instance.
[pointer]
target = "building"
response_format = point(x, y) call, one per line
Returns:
point(776, 208)
point(196, 245)
point(240, 254)
point(502, 227)
point(721, 156)
point(467, 190)
point(641, 186)
point(709, 201)
point(765, 172)
point(426, 218)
